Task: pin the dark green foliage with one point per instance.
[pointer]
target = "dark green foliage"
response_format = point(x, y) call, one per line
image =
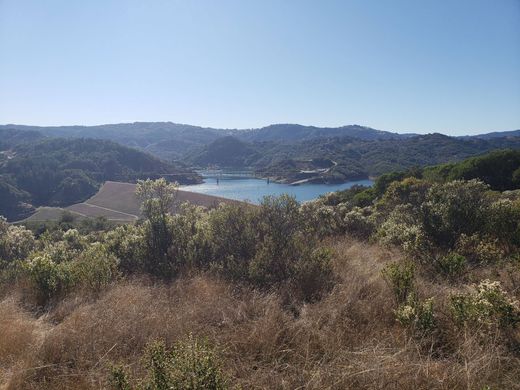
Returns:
point(158, 198)
point(452, 265)
point(355, 158)
point(10, 137)
point(232, 239)
point(453, 209)
point(13, 201)
point(227, 152)
point(499, 169)
point(60, 172)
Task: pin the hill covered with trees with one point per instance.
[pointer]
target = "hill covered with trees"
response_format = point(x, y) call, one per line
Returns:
point(173, 141)
point(353, 158)
point(60, 172)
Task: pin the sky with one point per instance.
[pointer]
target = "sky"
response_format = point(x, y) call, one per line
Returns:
point(450, 66)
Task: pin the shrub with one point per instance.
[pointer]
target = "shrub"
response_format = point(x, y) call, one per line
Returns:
point(452, 265)
point(158, 198)
point(478, 249)
point(415, 314)
point(127, 244)
point(189, 365)
point(503, 221)
point(321, 220)
point(410, 191)
point(403, 228)
point(400, 278)
point(455, 208)
point(488, 304)
point(16, 242)
point(358, 223)
point(49, 279)
point(312, 275)
point(95, 269)
point(231, 237)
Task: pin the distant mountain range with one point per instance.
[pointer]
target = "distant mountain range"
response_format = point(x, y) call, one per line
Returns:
point(172, 140)
point(285, 152)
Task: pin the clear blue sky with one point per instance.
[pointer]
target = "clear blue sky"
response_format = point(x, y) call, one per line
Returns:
point(451, 66)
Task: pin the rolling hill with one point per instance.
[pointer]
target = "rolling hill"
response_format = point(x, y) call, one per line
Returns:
point(173, 141)
point(352, 158)
point(61, 172)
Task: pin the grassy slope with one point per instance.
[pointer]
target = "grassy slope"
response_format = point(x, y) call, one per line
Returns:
point(350, 339)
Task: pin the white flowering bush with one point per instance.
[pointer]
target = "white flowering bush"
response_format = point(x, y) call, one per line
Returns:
point(486, 304)
point(402, 228)
point(49, 278)
point(504, 221)
point(127, 244)
point(416, 314)
point(321, 219)
point(16, 242)
point(358, 222)
point(480, 249)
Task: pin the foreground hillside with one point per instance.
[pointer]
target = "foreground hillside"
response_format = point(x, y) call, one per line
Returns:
point(411, 284)
point(60, 172)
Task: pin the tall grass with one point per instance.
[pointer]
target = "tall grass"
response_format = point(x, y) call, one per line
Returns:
point(348, 339)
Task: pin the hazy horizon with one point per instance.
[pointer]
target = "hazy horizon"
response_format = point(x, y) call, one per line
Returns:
point(401, 66)
point(421, 132)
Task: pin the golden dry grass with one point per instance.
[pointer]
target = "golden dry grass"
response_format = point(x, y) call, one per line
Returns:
point(348, 340)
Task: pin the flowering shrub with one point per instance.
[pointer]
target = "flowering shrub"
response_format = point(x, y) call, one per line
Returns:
point(416, 314)
point(320, 219)
point(487, 304)
point(95, 269)
point(49, 278)
point(358, 222)
point(478, 249)
point(403, 228)
point(400, 278)
point(126, 243)
point(16, 242)
point(504, 221)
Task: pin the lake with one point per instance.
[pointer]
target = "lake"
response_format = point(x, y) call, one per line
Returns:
point(253, 189)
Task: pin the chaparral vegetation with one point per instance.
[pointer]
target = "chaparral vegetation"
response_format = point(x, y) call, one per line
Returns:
point(410, 284)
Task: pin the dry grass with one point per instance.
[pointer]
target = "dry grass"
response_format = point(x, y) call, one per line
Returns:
point(348, 340)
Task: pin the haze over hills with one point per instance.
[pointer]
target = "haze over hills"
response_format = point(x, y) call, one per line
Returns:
point(496, 134)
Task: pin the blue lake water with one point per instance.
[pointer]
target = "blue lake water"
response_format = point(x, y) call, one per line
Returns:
point(251, 189)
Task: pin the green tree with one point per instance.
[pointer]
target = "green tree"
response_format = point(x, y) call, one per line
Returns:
point(158, 198)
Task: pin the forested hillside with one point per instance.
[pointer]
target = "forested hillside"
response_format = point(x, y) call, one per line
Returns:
point(59, 172)
point(353, 158)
